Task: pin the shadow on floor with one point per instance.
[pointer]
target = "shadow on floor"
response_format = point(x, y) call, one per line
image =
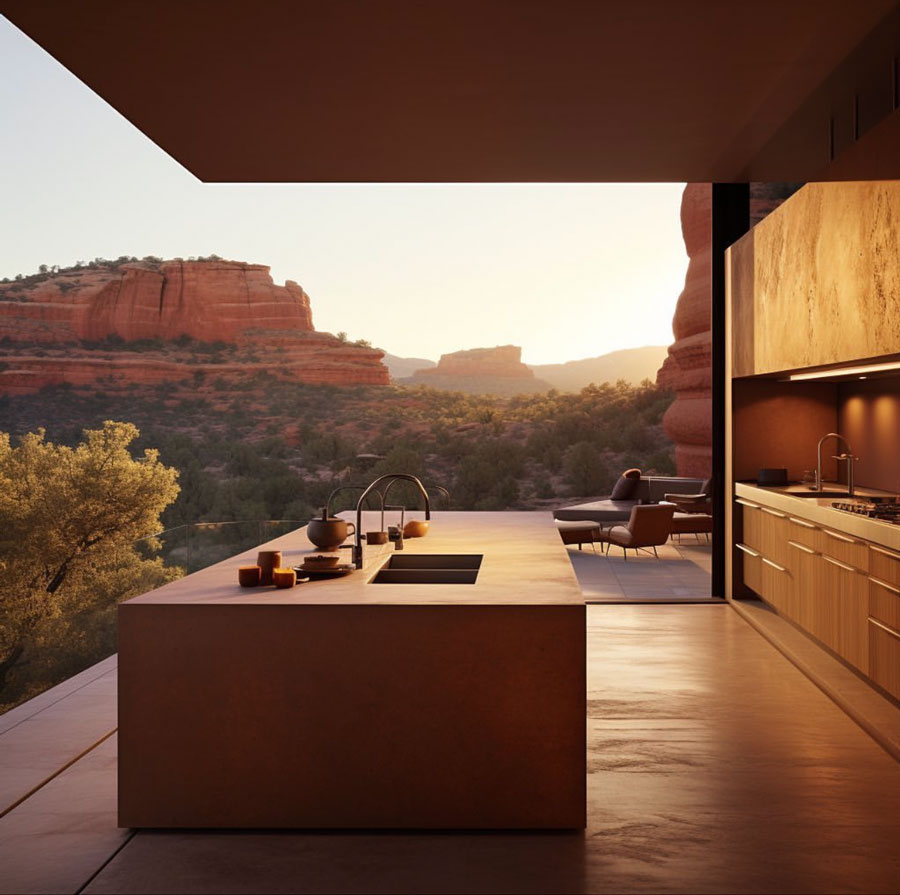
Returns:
point(681, 573)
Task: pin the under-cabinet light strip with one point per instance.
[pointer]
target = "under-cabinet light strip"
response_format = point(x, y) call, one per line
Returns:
point(846, 371)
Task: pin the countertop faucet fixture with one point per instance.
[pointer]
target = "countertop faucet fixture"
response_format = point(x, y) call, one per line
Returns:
point(391, 477)
point(847, 455)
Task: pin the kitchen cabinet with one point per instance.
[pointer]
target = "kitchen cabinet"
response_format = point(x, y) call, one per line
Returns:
point(884, 652)
point(818, 577)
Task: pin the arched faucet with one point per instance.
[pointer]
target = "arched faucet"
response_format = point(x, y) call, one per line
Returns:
point(847, 455)
point(391, 476)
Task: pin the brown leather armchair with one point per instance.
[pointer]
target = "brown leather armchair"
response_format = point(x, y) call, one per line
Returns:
point(693, 503)
point(649, 526)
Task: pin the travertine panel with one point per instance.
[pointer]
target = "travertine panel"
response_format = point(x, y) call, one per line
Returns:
point(818, 281)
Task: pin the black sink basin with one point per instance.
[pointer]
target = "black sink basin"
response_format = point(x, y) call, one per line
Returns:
point(425, 576)
point(430, 568)
point(435, 561)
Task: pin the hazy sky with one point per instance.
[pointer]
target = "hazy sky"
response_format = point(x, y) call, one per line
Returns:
point(565, 271)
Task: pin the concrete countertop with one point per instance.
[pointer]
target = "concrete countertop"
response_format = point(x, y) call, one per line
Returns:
point(820, 511)
point(524, 563)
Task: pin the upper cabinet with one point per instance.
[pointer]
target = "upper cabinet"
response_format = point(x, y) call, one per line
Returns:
point(818, 281)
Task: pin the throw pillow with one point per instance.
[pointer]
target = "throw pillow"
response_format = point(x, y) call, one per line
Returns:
point(627, 485)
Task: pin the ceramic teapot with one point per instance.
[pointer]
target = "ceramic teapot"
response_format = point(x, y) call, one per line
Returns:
point(328, 532)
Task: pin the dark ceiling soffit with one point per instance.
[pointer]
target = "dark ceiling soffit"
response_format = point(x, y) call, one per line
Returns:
point(222, 127)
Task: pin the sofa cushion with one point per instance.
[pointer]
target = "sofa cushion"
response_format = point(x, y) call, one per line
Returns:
point(597, 511)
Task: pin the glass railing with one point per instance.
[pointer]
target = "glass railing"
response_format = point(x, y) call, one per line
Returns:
point(80, 637)
point(194, 547)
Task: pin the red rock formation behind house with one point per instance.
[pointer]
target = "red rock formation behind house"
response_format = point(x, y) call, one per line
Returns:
point(687, 369)
point(688, 421)
point(497, 371)
point(504, 361)
point(45, 326)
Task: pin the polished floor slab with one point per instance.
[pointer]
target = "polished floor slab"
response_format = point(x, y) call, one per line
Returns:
point(714, 766)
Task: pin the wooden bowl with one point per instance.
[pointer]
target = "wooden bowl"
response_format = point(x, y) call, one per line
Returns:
point(415, 528)
point(318, 563)
point(284, 577)
point(248, 576)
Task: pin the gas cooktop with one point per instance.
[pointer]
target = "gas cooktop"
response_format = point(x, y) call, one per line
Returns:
point(887, 510)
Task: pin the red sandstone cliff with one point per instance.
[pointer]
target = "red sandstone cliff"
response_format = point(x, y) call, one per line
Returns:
point(688, 421)
point(45, 325)
point(687, 369)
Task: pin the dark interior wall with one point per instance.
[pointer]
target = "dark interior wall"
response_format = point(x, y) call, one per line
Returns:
point(869, 417)
point(779, 424)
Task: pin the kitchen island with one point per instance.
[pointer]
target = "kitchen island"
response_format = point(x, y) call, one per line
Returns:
point(346, 704)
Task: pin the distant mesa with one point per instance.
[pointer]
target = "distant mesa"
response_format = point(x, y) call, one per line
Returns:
point(500, 371)
point(494, 371)
point(65, 327)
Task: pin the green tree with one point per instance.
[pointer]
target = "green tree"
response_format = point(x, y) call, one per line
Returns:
point(68, 519)
point(585, 468)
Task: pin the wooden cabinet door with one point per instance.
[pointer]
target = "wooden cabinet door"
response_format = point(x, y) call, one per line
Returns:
point(848, 590)
point(884, 657)
point(803, 564)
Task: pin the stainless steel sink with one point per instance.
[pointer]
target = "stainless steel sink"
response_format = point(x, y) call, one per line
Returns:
point(430, 568)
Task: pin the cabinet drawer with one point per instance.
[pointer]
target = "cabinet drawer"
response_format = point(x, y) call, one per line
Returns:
point(752, 565)
point(884, 602)
point(751, 524)
point(846, 549)
point(801, 531)
point(774, 535)
point(884, 657)
point(884, 564)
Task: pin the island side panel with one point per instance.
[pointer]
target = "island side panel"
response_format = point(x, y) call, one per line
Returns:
point(386, 716)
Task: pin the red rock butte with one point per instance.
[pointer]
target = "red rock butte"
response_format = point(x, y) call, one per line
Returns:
point(48, 322)
point(504, 362)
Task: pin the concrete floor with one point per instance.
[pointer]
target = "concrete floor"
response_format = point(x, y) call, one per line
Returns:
point(682, 572)
point(714, 766)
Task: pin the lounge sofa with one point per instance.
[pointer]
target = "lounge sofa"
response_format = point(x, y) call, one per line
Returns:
point(650, 489)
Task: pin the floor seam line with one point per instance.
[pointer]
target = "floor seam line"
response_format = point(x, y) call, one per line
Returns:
point(103, 866)
point(93, 680)
point(56, 773)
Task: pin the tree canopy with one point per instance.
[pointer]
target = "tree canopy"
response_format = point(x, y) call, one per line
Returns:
point(69, 517)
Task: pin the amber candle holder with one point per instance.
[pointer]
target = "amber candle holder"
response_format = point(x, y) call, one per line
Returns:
point(284, 577)
point(268, 560)
point(249, 576)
